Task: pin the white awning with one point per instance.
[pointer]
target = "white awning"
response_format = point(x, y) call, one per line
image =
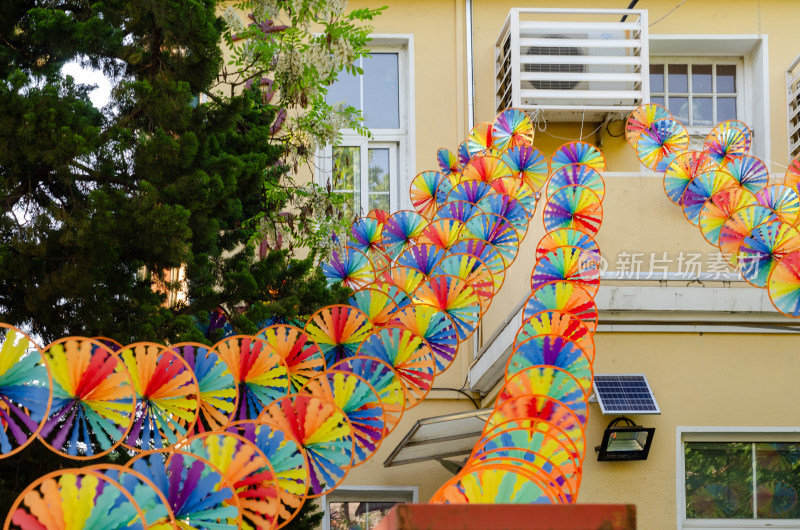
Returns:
point(440, 437)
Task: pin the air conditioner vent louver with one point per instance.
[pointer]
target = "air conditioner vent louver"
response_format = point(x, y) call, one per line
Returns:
point(572, 64)
point(549, 51)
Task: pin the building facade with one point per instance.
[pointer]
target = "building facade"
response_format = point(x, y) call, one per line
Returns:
point(722, 363)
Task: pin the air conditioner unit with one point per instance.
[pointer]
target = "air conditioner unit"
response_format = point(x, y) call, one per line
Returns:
point(579, 62)
point(572, 64)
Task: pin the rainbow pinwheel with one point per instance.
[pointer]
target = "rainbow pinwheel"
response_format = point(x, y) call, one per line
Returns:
point(528, 164)
point(764, 247)
point(448, 162)
point(496, 231)
point(536, 425)
point(217, 387)
point(750, 172)
point(288, 461)
point(480, 138)
point(455, 297)
point(517, 190)
point(486, 253)
point(657, 145)
point(260, 375)
point(485, 169)
point(443, 233)
point(167, 396)
point(568, 237)
point(578, 153)
point(361, 404)
point(93, 399)
point(470, 191)
point(792, 176)
point(776, 499)
point(245, 468)
point(573, 207)
point(76, 498)
point(324, 432)
point(302, 356)
point(546, 380)
point(702, 188)
point(495, 483)
point(714, 500)
point(24, 390)
point(556, 352)
point(386, 382)
point(541, 407)
point(572, 264)
point(537, 464)
point(435, 327)
point(423, 191)
point(404, 278)
point(641, 119)
point(350, 267)
point(563, 296)
point(512, 128)
point(558, 323)
point(463, 153)
point(408, 354)
point(577, 175)
point(782, 200)
point(726, 142)
point(784, 285)
point(198, 493)
point(682, 170)
point(719, 208)
point(421, 257)
point(738, 226)
point(507, 208)
point(378, 305)
point(338, 330)
point(153, 503)
point(473, 271)
point(460, 211)
point(401, 230)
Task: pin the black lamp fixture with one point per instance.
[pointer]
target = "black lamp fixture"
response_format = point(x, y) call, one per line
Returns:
point(623, 443)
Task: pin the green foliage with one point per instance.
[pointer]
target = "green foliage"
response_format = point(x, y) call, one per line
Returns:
point(96, 203)
point(296, 49)
point(309, 517)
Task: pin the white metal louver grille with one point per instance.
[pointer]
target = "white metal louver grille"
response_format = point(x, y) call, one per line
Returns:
point(793, 103)
point(570, 62)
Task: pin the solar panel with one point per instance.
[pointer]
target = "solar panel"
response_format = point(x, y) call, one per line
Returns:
point(624, 394)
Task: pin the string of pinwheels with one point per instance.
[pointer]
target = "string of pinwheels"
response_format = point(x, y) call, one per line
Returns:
point(532, 447)
point(242, 432)
point(750, 216)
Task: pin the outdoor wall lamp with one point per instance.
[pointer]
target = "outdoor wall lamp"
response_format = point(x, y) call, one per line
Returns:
point(627, 442)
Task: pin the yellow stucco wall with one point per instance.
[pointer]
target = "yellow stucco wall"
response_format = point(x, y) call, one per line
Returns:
point(709, 379)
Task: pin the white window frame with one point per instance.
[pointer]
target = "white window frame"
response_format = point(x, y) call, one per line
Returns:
point(738, 61)
point(402, 137)
point(726, 434)
point(753, 79)
point(407, 494)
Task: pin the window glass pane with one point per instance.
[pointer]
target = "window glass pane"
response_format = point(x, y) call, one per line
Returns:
point(719, 480)
point(346, 177)
point(701, 78)
point(678, 78)
point(348, 515)
point(726, 79)
point(381, 91)
point(777, 480)
point(378, 170)
point(659, 100)
point(726, 109)
point(377, 511)
point(679, 107)
point(657, 78)
point(346, 90)
point(702, 111)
